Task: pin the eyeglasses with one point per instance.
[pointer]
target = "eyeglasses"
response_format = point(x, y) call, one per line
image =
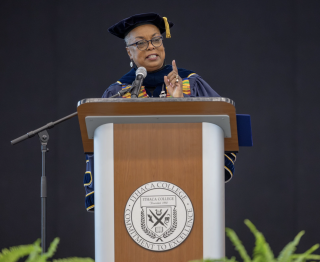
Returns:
point(143, 44)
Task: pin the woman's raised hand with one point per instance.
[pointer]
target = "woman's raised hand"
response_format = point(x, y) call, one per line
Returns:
point(174, 82)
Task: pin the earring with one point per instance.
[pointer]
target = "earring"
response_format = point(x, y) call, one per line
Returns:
point(131, 63)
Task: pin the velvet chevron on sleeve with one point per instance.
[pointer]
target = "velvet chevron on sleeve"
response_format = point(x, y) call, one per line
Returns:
point(229, 159)
point(88, 182)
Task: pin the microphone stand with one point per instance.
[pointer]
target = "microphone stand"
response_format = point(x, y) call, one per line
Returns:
point(122, 92)
point(130, 90)
point(44, 138)
point(136, 84)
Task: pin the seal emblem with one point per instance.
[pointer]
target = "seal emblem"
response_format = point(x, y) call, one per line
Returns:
point(159, 216)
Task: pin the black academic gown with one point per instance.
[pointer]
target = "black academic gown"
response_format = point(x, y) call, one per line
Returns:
point(153, 84)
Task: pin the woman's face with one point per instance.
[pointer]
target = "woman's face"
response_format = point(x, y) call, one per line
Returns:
point(153, 57)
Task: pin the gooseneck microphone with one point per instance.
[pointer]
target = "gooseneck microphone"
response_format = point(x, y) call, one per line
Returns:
point(141, 74)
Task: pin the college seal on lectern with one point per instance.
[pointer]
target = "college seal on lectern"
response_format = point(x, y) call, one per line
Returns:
point(159, 216)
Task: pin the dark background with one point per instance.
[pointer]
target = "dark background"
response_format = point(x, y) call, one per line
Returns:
point(263, 54)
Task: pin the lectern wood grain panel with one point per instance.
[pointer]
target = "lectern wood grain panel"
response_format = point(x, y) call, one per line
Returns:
point(131, 155)
point(138, 107)
point(153, 152)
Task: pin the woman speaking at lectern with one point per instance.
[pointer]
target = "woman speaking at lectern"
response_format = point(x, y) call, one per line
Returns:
point(142, 34)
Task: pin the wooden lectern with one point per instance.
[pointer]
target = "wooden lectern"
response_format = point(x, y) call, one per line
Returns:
point(159, 176)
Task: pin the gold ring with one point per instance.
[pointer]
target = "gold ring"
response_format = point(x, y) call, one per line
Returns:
point(177, 80)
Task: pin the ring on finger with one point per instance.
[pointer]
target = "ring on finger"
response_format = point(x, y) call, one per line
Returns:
point(177, 80)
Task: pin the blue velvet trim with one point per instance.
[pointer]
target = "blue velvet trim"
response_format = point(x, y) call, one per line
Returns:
point(89, 201)
point(232, 156)
point(227, 176)
point(155, 78)
point(244, 130)
point(87, 178)
point(228, 164)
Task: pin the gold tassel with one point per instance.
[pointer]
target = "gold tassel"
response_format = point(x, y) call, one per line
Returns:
point(168, 35)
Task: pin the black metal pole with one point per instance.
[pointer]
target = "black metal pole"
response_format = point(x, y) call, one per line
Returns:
point(44, 138)
point(47, 126)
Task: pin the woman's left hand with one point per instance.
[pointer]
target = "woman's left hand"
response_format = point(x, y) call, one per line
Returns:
point(174, 82)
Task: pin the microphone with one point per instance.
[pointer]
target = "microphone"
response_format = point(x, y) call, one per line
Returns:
point(141, 73)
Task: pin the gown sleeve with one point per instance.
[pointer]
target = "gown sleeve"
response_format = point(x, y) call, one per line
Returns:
point(88, 182)
point(88, 179)
point(199, 87)
point(229, 159)
point(112, 90)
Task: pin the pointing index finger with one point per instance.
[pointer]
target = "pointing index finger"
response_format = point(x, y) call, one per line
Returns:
point(174, 66)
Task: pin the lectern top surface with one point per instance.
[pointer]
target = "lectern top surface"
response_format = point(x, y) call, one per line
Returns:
point(139, 100)
point(200, 108)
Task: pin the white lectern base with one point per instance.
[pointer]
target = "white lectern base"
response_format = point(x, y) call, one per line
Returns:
point(213, 192)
